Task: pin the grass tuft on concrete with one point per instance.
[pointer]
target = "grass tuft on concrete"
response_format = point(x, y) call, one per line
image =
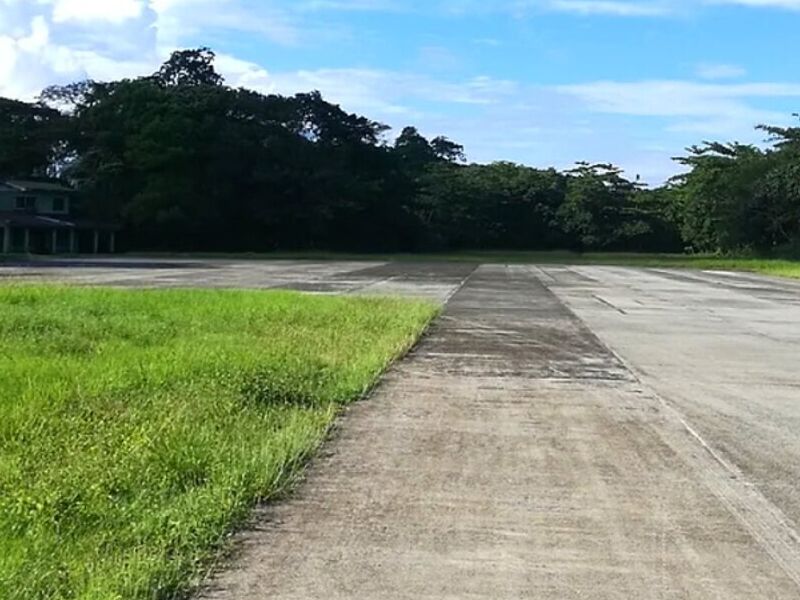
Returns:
point(139, 427)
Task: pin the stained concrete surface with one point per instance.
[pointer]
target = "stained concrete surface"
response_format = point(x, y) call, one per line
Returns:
point(722, 348)
point(562, 432)
point(432, 281)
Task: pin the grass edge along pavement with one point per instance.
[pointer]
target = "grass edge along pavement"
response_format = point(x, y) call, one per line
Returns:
point(140, 427)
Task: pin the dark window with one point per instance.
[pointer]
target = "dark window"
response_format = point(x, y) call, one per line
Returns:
point(59, 204)
point(26, 203)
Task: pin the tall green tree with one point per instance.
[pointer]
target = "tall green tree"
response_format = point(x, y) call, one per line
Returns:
point(32, 137)
point(186, 162)
point(599, 211)
point(778, 192)
point(189, 68)
point(718, 195)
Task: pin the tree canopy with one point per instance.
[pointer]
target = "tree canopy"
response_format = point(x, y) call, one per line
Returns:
point(185, 162)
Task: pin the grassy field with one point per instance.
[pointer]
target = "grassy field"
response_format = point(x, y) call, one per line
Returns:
point(139, 427)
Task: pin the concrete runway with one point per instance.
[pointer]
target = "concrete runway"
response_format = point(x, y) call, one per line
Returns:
point(432, 281)
point(562, 432)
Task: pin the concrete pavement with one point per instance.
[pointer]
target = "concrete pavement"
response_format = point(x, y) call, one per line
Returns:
point(432, 281)
point(562, 432)
point(514, 455)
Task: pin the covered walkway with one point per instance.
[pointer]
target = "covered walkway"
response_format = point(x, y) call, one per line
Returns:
point(39, 234)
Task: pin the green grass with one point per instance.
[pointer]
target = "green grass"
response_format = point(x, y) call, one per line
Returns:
point(139, 427)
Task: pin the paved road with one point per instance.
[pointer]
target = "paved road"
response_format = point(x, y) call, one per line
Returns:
point(563, 432)
point(433, 281)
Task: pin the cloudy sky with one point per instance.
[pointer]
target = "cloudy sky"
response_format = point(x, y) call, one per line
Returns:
point(542, 82)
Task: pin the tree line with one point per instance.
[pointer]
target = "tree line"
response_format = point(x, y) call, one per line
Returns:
point(185, 162)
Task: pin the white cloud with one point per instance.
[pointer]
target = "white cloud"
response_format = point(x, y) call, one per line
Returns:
point(179, 20)
point(8, 61)
point(44, 42)
point(379, 94)
point(639, 8)
point(671, 98)
point(87, 11)
point(38, 39)
point(31, 59)
point(783, 4)
point(352, 5)
point(719, 71)
point(685, 111)
point(617, 8)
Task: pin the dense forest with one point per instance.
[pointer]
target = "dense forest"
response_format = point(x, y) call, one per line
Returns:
point(187, 163)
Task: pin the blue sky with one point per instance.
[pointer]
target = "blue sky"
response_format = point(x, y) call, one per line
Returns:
point(541, 82)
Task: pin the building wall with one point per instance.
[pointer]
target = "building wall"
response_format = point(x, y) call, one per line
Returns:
point(45, 201)
point(6, 201)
